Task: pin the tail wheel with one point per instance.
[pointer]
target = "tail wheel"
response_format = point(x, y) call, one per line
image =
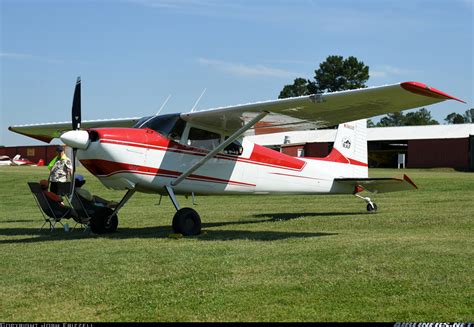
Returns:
point(186, 221)
point(103, 225)
point(371, 207)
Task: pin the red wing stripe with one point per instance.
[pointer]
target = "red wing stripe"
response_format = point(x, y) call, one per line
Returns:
point(423, 89)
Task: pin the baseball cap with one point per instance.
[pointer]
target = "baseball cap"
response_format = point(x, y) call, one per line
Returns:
point(79, 178)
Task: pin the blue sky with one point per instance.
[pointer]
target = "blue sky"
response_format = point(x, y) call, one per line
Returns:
point(131, 54)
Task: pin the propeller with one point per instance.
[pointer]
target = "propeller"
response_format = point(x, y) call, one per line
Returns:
point(76, 125)
point(76, 106)
point(76, 138)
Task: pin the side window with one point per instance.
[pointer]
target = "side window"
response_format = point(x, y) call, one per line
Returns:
point(235, 148)
point(200, 138)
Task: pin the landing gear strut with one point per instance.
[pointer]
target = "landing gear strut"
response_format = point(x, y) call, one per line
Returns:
point(186, 221)
point(371, 206)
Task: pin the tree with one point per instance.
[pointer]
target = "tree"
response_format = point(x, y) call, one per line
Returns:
point(420, 117)
point(392, 119)
point(338, 74)
point(469, 116)
point(298, 88)
point(334, 74)
point(455, 118)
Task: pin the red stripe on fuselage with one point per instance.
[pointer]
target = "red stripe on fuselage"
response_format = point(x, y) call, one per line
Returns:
point(336, 156)
point(149, 139)
point(106, 168)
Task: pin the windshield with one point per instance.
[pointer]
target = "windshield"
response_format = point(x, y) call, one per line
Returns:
point(170, 126)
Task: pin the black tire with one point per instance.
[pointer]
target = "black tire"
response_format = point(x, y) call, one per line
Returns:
point(186, 221)
point(102, 225)
point(371, 208)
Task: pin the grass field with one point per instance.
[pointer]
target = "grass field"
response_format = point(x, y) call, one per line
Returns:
point(261, 258)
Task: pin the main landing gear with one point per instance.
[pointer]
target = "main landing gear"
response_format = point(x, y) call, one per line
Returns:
point(371, 206)
point(107, 223)
point(186, 221)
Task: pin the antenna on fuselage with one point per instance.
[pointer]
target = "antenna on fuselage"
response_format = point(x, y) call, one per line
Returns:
point(199, 99)
point(163, 105)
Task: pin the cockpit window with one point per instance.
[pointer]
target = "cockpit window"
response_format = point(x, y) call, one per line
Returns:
point(170, 126)
point(139, 123)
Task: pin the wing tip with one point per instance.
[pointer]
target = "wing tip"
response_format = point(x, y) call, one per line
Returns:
point(409, 180)
point(423, 89)
point(43, 138)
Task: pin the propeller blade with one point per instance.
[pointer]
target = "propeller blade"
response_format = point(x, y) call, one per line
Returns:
point(76, 106)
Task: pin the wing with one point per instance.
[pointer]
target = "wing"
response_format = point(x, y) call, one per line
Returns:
point(320, 110)
point(300, 113)
point(379, 185)
point(46, 132)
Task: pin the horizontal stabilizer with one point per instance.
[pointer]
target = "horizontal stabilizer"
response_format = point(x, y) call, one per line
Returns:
point(378, 185)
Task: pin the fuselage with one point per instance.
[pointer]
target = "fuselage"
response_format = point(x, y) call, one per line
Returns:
point(142, 158)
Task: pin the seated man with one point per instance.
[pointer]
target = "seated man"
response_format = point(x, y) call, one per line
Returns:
point(55, 201)
point(88, 198)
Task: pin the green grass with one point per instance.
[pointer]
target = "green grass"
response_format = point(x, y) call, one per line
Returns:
point(261, 258)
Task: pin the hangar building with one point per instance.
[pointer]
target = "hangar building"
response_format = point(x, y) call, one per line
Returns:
point(420, 146)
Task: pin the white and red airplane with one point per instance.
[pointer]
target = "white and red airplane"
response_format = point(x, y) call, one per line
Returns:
point(5, 161)
point(206, 152)
point(19, 161)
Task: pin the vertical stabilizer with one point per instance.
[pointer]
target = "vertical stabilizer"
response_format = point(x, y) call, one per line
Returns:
point(350, 147)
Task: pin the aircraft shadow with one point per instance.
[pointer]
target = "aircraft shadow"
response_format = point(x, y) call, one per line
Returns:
point(154, 232)
point(274, 216)
point(19, 221)
point(165, 231)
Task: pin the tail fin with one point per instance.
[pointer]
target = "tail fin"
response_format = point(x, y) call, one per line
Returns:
point(40, 163)
point(350, 146)
point(17, 157)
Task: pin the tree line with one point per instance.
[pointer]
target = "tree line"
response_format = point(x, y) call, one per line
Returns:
point(338, 74)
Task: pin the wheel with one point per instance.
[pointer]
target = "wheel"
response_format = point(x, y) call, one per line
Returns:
point(371, 208)
point(186, 221)
point(102, 225)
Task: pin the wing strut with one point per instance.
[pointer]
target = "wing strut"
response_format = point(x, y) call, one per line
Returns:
point(219, 148)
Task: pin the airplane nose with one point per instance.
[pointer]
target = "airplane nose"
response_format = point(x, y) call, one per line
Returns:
point(76, 139)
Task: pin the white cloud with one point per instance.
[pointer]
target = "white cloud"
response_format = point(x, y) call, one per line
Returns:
point(240, 69)
point(201, 7)
point(386, 70)
point(24, 56)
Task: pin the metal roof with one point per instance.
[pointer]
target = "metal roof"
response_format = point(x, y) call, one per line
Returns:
point(373, 134)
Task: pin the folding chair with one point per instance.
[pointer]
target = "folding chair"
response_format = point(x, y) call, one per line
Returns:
point(95, 214)
point(50, 214)
point(83, 216)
